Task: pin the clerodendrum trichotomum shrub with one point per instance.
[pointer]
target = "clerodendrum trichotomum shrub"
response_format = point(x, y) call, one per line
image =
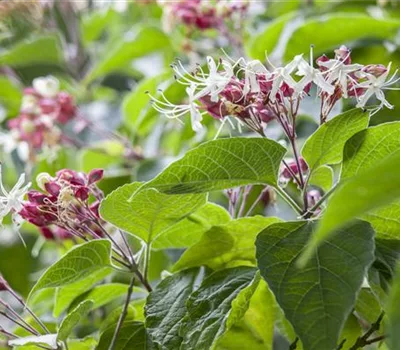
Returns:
point(271, 235)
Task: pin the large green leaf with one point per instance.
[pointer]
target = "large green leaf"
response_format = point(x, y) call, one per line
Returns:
point(148, 40)
point(362, 152)
point(148, 212)
point(79, 263)
point(220, 302)
point(72, 319)
point(132, 336)
point(10, 95)
point(189, 230)
point(165, 308)
point(67, 294)
point(328, 32)
point(265, 42)
point(226, 245)
point(41, 49)
point(221, 164)
point(369, 190)
point(317, 299)
point(326, 145)
point(394, 313)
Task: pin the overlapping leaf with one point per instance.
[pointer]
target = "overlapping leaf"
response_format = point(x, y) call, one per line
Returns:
point(72, 319)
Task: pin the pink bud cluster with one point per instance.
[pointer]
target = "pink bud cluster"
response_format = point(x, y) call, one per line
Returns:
point(255, 94)
point(291, 169)
point(201, 14)
point(68, 205)
point(44, 109)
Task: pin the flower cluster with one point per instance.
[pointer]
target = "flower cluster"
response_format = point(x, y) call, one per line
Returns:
point(43, 110)
point(11, 202)
point(254, 94)
point(200, 14)
point(67, 206)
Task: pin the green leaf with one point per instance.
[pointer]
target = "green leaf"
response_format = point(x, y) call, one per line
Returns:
point(362, 152)
point(227, 244)
point(79, 263)
point(322, 177)
point(72, 319)
point(328, 32)
point(165, 308)
point(240, 338)
point(351, 331)
point(147, 213)
point(101, 155)
point(393, 312)
point(265, 42)
point(132, 336)
point(317, 299)
point(10, 95)
point(104, 294)
point(67, 294)
point(189, 230)
point(221, 301)
point(38, 50)
point(370, 189)
point(48, 340)
point(88, 343)
point(148, 40)
point(221, 164)
point(326, 145)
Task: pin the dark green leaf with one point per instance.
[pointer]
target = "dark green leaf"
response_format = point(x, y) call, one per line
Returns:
point(165, 308)
point(317, 299)
point(221, 164)
point(220, 302)
point(393, 311)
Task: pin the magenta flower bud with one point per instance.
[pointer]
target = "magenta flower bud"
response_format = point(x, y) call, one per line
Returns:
point(322, 59)
point(95, 175)
point(82, 193)
point(343, 54)
point(48, 105)
point(47, 233)
point(95, 208)
point(52, 188)
point(3, 284)
point(313, 196)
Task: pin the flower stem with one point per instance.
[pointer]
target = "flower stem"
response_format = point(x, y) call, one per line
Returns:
point(123, 314)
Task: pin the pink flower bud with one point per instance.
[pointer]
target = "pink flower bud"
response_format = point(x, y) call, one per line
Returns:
point(82, 193)
point(343, 54)
point(47, 233)
point(53, 188)
point(95, 175)
point(375, 69)
point(48, 105)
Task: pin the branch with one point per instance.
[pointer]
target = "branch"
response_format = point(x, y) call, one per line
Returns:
point(293, 346)
point(363, 340)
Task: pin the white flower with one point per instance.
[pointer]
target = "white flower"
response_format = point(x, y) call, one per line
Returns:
point(311, 74)
point(339, 71)
point(251, 70)
point(46, 86)
point(9, 142)
point(12, 202)
point(375, 86)
point(283, 75)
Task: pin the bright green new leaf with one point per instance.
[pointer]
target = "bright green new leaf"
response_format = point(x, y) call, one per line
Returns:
point(328, 32)
point(132, 336)
point(221, 164)
point(165, 308)
point(225, 245)
point(393, 312)
point(326, 145)
point(189, 230)
point(79, 263)
point(72, 319)
point(322, 177)
point(318, 298)
point(48, 340)
point(10, 95)
point(38, 50)
point(148, 213)
point(67, 294)
point(369, 190)
point(220, 302)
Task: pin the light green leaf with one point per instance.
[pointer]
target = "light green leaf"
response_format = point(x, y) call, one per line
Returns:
point(67, 294)
point(221, 300)
point(148, 40)
point(101, 155)
point(189, 230)
point(240, 338)
point(165, 308)
point(49, 340)
point(369, 190)
point(317, 299)
point(72, 319)
point(351, 331)
point(361, 153)
point(393, 312)
point(265, 42)
point(226, 244)
point(148, 212)
point(221, 164)
point(322, 177)
point(40, 49)
point(88, 343)
point(10, 95)
point(326, 145)
point(328, 32)
point(132, 336)
point(105, 293)
point(79, 263)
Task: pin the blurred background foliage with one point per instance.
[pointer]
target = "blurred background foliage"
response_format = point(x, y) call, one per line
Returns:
point(107, 54)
